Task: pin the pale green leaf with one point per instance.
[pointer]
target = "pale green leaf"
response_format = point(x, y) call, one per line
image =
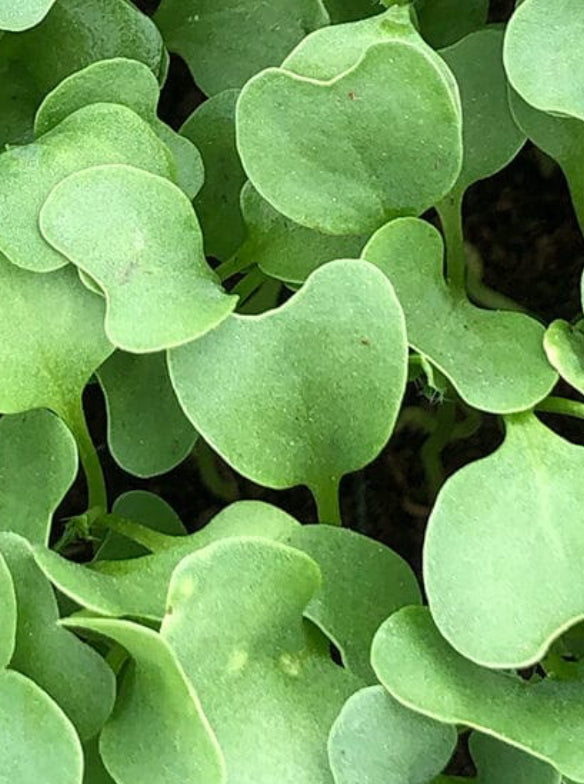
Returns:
point(18, 15)
point(494, 359)
point(8, 617)
point(234, 619)
point(564, 346)
point(138, 237)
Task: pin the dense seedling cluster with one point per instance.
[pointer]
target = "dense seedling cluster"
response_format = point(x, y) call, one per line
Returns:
point(266, 281)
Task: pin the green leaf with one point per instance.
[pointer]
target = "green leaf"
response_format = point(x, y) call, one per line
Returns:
point(362, 583)
point(94, 770)
point(320, 151)
point(491, 139)
point(234, 619)
point(418, 667)
point(157, 732)
point(512, 589)
point(51, 339)
point(138, 237)
point(23, 14)
point(138, 587)
point(38, 461)
point(538, 34)
point(352, 10)
point(562, 138)
point(72, 673)
point(74, 34)
point(129, 83)
point(148, 434)
point(283, 249)
point(305, 409)
point(38, 742)
point(96, 134)
point(8, 618)
point(564, 346)
point(212, 128)
point(378, 741)
point(494, 359)
point(144, 508)
point(443, 22)
point(220, 41)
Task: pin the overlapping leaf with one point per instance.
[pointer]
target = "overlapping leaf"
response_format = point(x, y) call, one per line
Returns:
point(304, 406)
point(564, 346)
point(23, 14)
point(7, 614)
point(443, 22)
point(138, 237)
point(234, 619)
point(418, 667)
point(495, 360)
point(95, 134)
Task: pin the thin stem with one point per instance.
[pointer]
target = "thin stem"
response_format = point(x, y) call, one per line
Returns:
point(431, 452)
point(574, 179)
point(74, 417)
point(450, 212)
point(232, 266)
point(327, 502)
point(559, 405)
point(479, 292)
point(147, 537)
point(248, 285)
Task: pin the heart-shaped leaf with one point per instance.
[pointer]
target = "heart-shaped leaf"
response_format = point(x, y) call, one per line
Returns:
point(23, 14)
point(378, 741)
point(362, 583)
point(148, 434)
point(511, 589)
point(310, 375)
point(38, 741)
point(95, 134)
point(346, 155)
point(72, 673)
point(157, 732)
point(74, 34)
point(32, 445)
point(495, 360)
point(212, 128)
point(539, 33)
point(418, 667)
point(283, 249)
point(137, 236)
point(443, 22)
point(564, 346)
point(51, 340)
point(8, 618)
point(220, 40)
point(234, 619)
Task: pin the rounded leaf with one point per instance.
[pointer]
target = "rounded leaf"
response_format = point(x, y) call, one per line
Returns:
point(23, 14)
point(564, 346)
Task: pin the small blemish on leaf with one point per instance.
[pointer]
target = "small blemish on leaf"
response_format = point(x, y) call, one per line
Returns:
point(290, 665)
point(365, 342)
point(352, 95)
point(237, 660)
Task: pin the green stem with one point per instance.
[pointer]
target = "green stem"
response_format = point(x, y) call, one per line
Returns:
point(248, 285)
point(431, 452)
point(559, 405)
point(232, 266)
point(224, 487)
point(74, 417)
point(576, 186)
point(479, 292)
point(147, 537)
point(450, 212)
point(327, 503)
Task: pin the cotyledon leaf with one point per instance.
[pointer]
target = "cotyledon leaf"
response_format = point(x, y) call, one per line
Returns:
point(282, 248)
point(443, 22)
point(137, 235)
point(37, 741)
point(18, 16)
point(512, 589)
point(378, 741)
point(74, 34)
point(234, 620)
point(494, 359)
point(148, 433)
point(346, 155)
point(363, 582)
point(38, 462)
point(500, 763)
point(157, 732)
point(219, 39)
point(95, 134)
point(146, 509)
point(304, 406)
point(51, 340)
point(564, 346)
point(138, 586)
point(418, 667)
point(539, 33)
point(132, 84)
point(212, 128)
point(72, 673)
point(8, 617)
